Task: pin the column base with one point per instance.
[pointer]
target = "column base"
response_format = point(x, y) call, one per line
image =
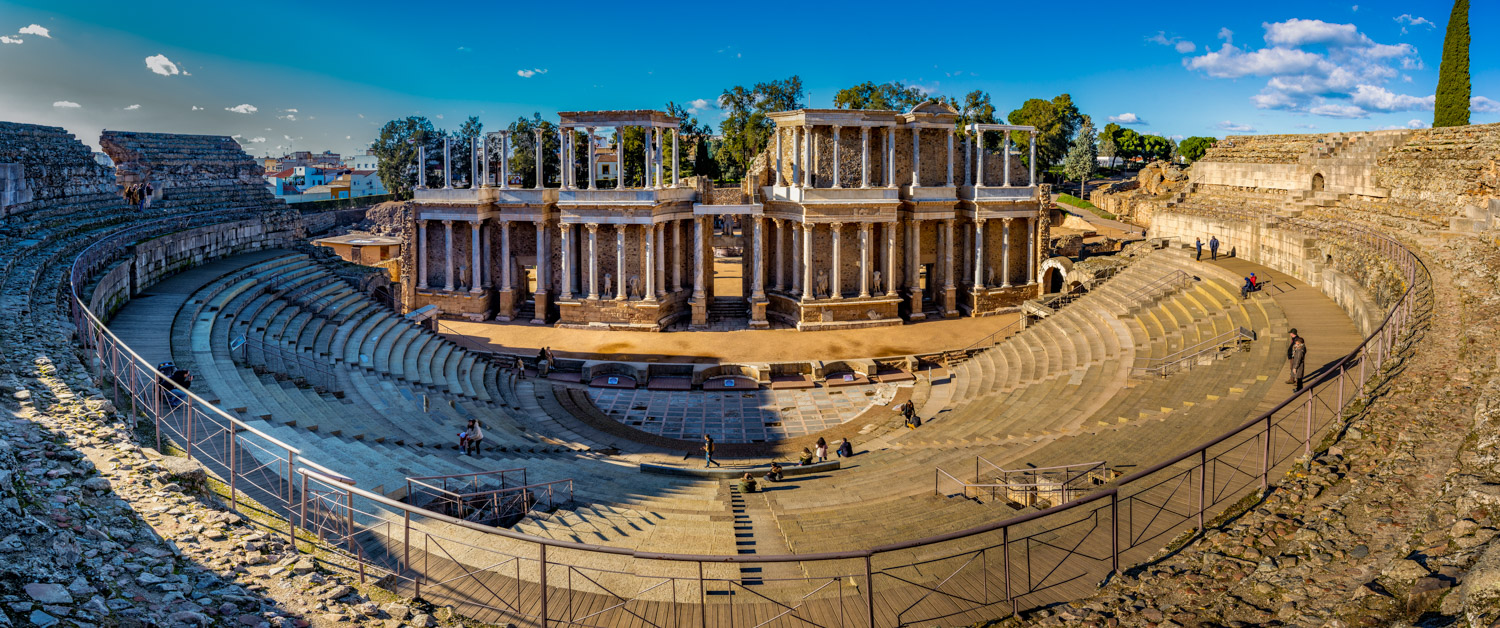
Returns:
point(914, 304)
point(758, 314)
point(540, 316)
point(699, 319)
point(507, 306)
point(950, 302)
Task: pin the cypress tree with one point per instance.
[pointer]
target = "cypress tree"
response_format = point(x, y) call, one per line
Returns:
point(1452, 107)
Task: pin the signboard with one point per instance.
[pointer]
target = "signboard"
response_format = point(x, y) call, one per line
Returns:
point(613, 381)
point(729, 383)
point(848, 377)
point(236, 343)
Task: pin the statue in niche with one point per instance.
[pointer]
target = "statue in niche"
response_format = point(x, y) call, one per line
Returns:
point(609, 284)
point(991, 282)
point(822, 290)
point(876, 288)
point(463, 277)
point(635, 287)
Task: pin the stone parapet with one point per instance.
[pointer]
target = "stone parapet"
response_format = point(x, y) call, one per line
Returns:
point(39, 164)
point(191, 172)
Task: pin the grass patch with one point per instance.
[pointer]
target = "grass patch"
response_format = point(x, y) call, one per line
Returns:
point(1069, 199)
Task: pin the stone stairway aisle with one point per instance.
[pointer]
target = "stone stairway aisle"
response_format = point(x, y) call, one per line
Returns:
point(757, 533)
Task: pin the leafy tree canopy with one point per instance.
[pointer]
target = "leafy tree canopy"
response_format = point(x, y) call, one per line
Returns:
point(1083, 155)
point(747, 128)
point(885, 96)
point(1193, 148)
point(1056, 120)
point(396, 146)
point(1454, 90)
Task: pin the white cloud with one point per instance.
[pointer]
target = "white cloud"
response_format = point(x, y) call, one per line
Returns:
point(289, 111)
point(160, 64)
point(464, 49)
point(1226, 35)
point(1307, 126)
point(66, 104)
point(439, 116)
point(350, 137)
point(1181, 45)
point(1297, 32)
point(1316, 67)
point(530, 73)
point(1480, 104)
point(361, 116)
point(197, 108)
point(1334, 110)
point(1354, 8)
point(132, 107)
point(286, 137)
point(38, 30)
point(1127, 118)
point(701, 104)
point(1381, 99)
point(1417, 124)
point(257, 140)
point(245, 108)
point(1235, 127)
point(287, 117)
point(1407, 21)
point(7, 39)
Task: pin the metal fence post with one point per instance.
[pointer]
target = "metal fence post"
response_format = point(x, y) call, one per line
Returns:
point(1307, 448)
point(543, 547)
point(703, 599)
point(1114, 530)
point(234, 470)
point(870, 591)
point(1202, 485)
point(188, 402)
point(1265, 456)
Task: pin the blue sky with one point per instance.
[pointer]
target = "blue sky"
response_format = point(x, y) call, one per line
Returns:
point(325, 76)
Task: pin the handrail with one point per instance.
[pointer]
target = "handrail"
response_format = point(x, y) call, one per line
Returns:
point(1177, 275)
point(1380, 341)
point(1192, 352)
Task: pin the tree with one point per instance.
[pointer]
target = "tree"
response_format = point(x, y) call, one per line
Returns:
point(976, 108)
point(885, 96)
point(1055, 120)
point(1109, 142)
point(523, 149)
point(1193, 148)
point(690, 133)
point(747, 128)
point(1083, 156)
point(1155, 147)
point(396, 146)
point(704, 163)
point(462, 152)
point(1453, 90)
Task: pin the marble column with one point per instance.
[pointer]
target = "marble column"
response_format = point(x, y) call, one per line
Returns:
point(676, 256)
point(864, 157)
point(505, 263)
point(796, 230)
point(864, 260)
point(979, 160)
point(648, 283)
point(796, 153)
point(809, 289)
point(619, 157)
point(504, 160)
point(543, 259)
point(593, 161)
point(950, 158)
point(698, 292)
point(948, 254)
point(890, 156)
point(1005, 156)
point(447, 168)
point(481, 163)
point(476, 274)
point(659, 233)
point(620, 278)
point(565, 240)
point(448, 255)
point(1005, 253)
point(968, 160)
point(593, 261)
point(422, 254)
point(916, 157)
point(676, 161)
point(979, 253)
point(837, 132)
point(780, 255)
point(776, 181)
point(968, 261)
point(836, 274)
point(1033, 159)
point(657, 158)
point(539, 163)
point(807, 157)
point(421, 168)
point(757, 278)
point(914, 254)
point(890, 229)
point(484, 246)
point(563, 169)
point(1030, 251)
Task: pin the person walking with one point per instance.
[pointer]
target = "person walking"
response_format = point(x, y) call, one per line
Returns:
point(1213, 247)
point(822, 449)
point(1299, 361)
point(1291, 347)
point(708, 452)
point(1198, 244)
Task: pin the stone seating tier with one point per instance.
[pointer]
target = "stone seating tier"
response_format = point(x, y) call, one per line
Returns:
point(1262, 149)
point(56, 165)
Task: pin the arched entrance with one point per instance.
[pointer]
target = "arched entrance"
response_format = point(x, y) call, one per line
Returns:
point(1318, 182)
point(1054, 274)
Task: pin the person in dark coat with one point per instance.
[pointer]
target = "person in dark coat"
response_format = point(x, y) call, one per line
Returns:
point(1213, 247)
point(708, 452)
point(1198, 244)
point(1294, 361)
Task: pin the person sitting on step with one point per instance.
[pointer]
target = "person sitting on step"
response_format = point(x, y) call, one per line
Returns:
point(468, 440)
point(747, 483)
point(541, 363)
point(807, 457)
point(774, 475)
point(845, 449)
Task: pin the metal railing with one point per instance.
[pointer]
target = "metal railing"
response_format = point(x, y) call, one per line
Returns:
point(502, 576)
point(488, 498)
point(1164, 284)
point(1188, 357)
point(1033, 486)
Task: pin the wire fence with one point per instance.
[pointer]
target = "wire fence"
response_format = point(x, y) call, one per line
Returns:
point(497, 575)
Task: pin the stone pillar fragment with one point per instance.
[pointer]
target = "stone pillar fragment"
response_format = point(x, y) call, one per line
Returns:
point(1005, 253)
point(475, 268)
point(448, 255)
point(593, 261)
point(422, 254)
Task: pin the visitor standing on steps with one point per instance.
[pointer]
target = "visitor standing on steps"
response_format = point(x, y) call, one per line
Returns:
point(708, 452)
point(822, 449)
point(1293, 362)
point(1213, 247)
point(1198, 244)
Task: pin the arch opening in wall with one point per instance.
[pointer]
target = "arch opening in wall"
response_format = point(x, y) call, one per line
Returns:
point(1318, 183)
point(1054, 274)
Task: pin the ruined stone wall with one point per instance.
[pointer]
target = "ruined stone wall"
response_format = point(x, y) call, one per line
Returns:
point(1439, 173)
point(43, 164)
point(192, 172)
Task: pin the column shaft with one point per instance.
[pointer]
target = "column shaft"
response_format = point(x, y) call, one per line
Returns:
point(475, 270)
point(807, 157)
point(698, 258)
point(447, 168)
point(979, 254)
point(540, 166)
point(796, 229)
point(505, 263)
point(969, 160)
point(565, 240)
point(890, 156)
point(1030, 251)
point(676, 161)
point(676, 256)
point(808, 287)
point(648, 286)
point(950, 158)
point(594, 260)
point(837, 179)
point(835, 276)
point(487, 257)
point(916, 157)
point(776, 181)
point(780, 254)
point(758, 283)
point(1005, 253)
point(421, 253)
point(505, 160)
point(562, 158)
point(543, 261)
point(593, 161)
point(864, 156)
point(1005, 156)
point(979, 160)
point(1033, 159)
point(620, 278)
point(484, 158)
point(448, 255)
point(864, 260)
point(948, 253)
point(890, 229)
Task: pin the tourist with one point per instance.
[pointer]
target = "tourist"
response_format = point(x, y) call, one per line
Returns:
point(184, 382)
point(747, 483)
point(1213, 247)
point(1297, 353)
point(774, 475)
point(807, 457)
point(520, 368)
point(1198, 244)
point(822, 449)
point(845, 449)
point(146, 203)
point(468, 440)
point(541, 363)
point(708, 452)
point(1290, 345)
point(1247, 287)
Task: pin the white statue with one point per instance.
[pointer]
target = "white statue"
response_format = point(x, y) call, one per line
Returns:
point(822, 284)
point(635, 287)
point(609, 284)
point(877, 281)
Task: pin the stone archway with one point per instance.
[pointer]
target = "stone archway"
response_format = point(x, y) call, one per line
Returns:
point(1054, 273)
point(1318, 183)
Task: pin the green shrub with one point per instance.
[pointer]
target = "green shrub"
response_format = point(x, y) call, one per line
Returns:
point(1069, 199)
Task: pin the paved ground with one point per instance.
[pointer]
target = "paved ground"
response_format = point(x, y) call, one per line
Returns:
point(741, 416)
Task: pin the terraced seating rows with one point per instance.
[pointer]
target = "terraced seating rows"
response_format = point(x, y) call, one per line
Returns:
point(1262, 149)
